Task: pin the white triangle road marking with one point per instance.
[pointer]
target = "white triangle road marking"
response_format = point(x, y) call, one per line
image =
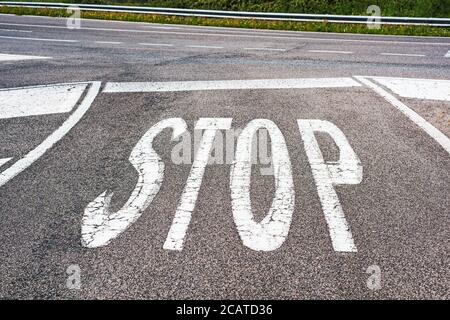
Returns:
point(39, 100)
point(57, 135)
point(448, 54)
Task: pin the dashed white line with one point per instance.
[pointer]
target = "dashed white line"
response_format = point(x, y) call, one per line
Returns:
point(265, 49)
point(238, 35)
point(108, 42)
point(16, 30)
point(156, 44)
point(330, 51)
point(402, 54)
point(16, 57)
point(39, 39)
point(204, 47)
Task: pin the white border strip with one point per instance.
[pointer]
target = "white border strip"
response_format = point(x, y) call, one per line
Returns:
point(437, 135)
point(57, 135)
point(117, 87)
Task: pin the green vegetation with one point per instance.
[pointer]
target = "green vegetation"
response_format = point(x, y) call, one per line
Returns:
point(409, 8)
point(239, 23)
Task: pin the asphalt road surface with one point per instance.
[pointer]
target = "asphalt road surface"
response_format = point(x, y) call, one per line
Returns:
point(349, 197)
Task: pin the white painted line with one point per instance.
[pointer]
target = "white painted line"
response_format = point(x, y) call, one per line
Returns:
point(16, 57)
point(16, 30)
point(204, 47)
point(239, 35)
point(53, 138)
point(417, 88)
point(100, 224)
point(39, 39)
point(108, 42)
point(448, 54)
point(4, 160)
point(437, 135)
point(330, 51)
point(156, 44)
point(402, 54)
point(34, 101)
point(265, 49)
point(303, 83)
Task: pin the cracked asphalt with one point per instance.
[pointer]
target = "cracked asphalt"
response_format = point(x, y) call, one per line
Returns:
point(398, 214)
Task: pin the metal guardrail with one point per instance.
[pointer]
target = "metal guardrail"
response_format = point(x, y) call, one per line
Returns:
point(435, 22)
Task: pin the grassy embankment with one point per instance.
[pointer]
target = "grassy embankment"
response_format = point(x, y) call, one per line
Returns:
point(417, 8)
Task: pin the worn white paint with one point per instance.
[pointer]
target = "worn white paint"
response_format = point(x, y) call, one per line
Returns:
point(265, 49)
point(16, 30)
point(108, 42)
point(437, 135)
point(448, 54)
point(330, 51)
point(347, 170)
point(39, 39)
point(156, 44)
point(53, 138)
point(4, 160)
point(204, 47)
point(18, 57)
point(32, 101)
point(303, 83)
point(271, 232)
point(100, 225)
point(417, 88)
point(402, 54)
point(177, 232)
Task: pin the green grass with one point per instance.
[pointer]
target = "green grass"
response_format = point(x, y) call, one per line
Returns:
point(238, 23)
point(410, 8)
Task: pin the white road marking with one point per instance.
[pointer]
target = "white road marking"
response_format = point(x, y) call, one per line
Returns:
point(237, 35)
point(39, 39)
point(24, 102)
point(437, 135)
point(108, 42)
point(271, 232)
point(347, 170)
point(156, 44)
point(4, 160)
point(303, 83)
point(57, 135)
point(99, 224)
point(448, 54)
point(177, 232)
point(265, 49)
point(330, 51)
point(402, 54)
point(417, 88)
point(204, 47)
point(17, 57)
point(16, 30)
